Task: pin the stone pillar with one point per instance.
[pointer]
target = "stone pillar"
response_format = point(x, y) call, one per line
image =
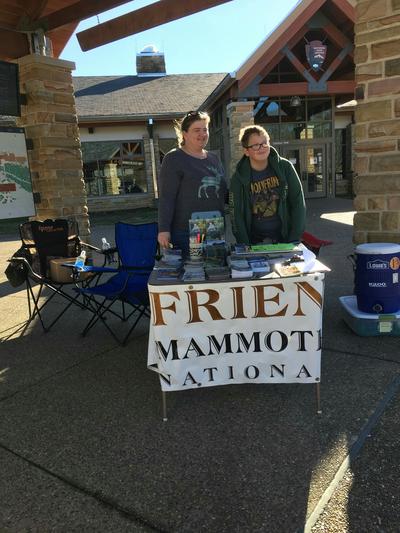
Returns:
point(157, 154)
point(111, 178)
point(239, 114)
point(377, 129)
point(50, 121)
point(148, 163)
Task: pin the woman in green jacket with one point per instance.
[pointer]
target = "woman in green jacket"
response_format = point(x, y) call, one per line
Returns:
point(266, 195)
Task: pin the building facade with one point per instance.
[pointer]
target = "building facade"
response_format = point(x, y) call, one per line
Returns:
point(299, 85)
point(126, 126)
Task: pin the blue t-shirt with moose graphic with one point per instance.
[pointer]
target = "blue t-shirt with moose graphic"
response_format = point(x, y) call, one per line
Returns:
point(187, 185)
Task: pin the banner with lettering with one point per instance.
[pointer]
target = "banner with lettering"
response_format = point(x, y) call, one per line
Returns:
point(252, 331)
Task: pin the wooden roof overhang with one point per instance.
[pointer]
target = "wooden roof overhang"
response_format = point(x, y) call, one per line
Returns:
point(280, 67)
point(58, 19)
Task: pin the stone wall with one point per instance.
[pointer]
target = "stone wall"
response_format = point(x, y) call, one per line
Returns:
point(377, 129)
point(239, 114)
point(100, 204)
point(50, 122)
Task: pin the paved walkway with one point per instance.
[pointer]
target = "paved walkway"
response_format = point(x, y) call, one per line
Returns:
point(83, 446)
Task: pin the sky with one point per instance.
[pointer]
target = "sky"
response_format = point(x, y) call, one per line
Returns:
point(219, 39)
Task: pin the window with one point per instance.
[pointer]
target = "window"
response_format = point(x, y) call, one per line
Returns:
point(311, 118)
point(165, 145)
point(114, 167)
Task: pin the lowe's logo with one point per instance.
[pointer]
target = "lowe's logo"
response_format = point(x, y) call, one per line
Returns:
point(378, 264)
point(377, 284)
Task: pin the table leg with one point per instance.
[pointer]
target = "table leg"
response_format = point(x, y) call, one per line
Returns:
point(164, 403)
point(319, 410)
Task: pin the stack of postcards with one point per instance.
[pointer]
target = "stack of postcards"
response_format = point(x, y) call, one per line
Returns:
point(259, 266)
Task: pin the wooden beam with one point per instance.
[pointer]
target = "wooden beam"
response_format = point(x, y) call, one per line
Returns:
point(298, 65)
point(280, 55)
point(302, 88)
point(34, 8)
point(346, 8)
point(284, 89)
point(337, 36)
point(341, 87)
point(13, 45)
point(142, 19)
point(295, 29)
point(76, 12)
point(335, 63)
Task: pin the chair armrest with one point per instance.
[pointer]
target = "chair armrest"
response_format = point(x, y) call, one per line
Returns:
point(97, 249)
point(90, 246)
point(108, 254)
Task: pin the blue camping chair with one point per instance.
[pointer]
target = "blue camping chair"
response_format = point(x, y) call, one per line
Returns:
point(136, 246)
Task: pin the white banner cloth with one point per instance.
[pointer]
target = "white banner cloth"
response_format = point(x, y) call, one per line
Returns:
point(245, 331)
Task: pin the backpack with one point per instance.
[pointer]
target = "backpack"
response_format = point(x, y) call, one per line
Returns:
point(17, 271)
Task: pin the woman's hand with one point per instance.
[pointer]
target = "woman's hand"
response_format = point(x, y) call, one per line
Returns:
point(164, 239)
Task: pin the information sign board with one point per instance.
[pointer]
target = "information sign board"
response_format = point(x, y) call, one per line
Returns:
point(16, 198)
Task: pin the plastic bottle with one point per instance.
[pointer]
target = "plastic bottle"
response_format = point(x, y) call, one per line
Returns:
point(80, 260)
point(105, 245)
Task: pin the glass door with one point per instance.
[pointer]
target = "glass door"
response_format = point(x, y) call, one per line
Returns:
point(310, 164)
point(313, 174)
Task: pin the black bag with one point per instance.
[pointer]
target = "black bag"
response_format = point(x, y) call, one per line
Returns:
point(17, 271)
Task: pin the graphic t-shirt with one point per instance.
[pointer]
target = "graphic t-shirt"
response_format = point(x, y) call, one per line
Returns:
point(187, 185)
point(264, 194)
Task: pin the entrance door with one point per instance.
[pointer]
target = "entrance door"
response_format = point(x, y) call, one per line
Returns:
point(310, 164)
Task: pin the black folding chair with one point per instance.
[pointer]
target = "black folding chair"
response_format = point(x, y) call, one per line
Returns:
point(45, 245)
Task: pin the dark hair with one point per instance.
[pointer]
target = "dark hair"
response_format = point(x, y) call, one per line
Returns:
point(248, 131)
point(185, 123)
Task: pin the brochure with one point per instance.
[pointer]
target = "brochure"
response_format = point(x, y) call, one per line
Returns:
point(206, 230)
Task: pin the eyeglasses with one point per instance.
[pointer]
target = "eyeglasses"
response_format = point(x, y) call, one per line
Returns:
point(256, 147)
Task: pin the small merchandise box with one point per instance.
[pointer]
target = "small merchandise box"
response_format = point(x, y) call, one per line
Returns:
point(368, 324)
point(63, 274)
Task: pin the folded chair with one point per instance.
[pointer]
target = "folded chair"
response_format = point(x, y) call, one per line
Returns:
point(136, 246)
point(313, 243)
point(42, 243)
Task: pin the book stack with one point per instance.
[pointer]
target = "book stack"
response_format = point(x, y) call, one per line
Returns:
point(215, 253)
point(217, 273)
point(169, 267)
point(193, 271)
point(273, 253)
point(240, 268)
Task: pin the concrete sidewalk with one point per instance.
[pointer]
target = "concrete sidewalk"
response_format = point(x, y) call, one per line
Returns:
point(83, 446)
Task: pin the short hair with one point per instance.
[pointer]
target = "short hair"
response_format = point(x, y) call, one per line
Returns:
point(248, 131)
point(185, 123)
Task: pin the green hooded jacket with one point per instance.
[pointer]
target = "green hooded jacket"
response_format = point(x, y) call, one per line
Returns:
point(291, 209)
